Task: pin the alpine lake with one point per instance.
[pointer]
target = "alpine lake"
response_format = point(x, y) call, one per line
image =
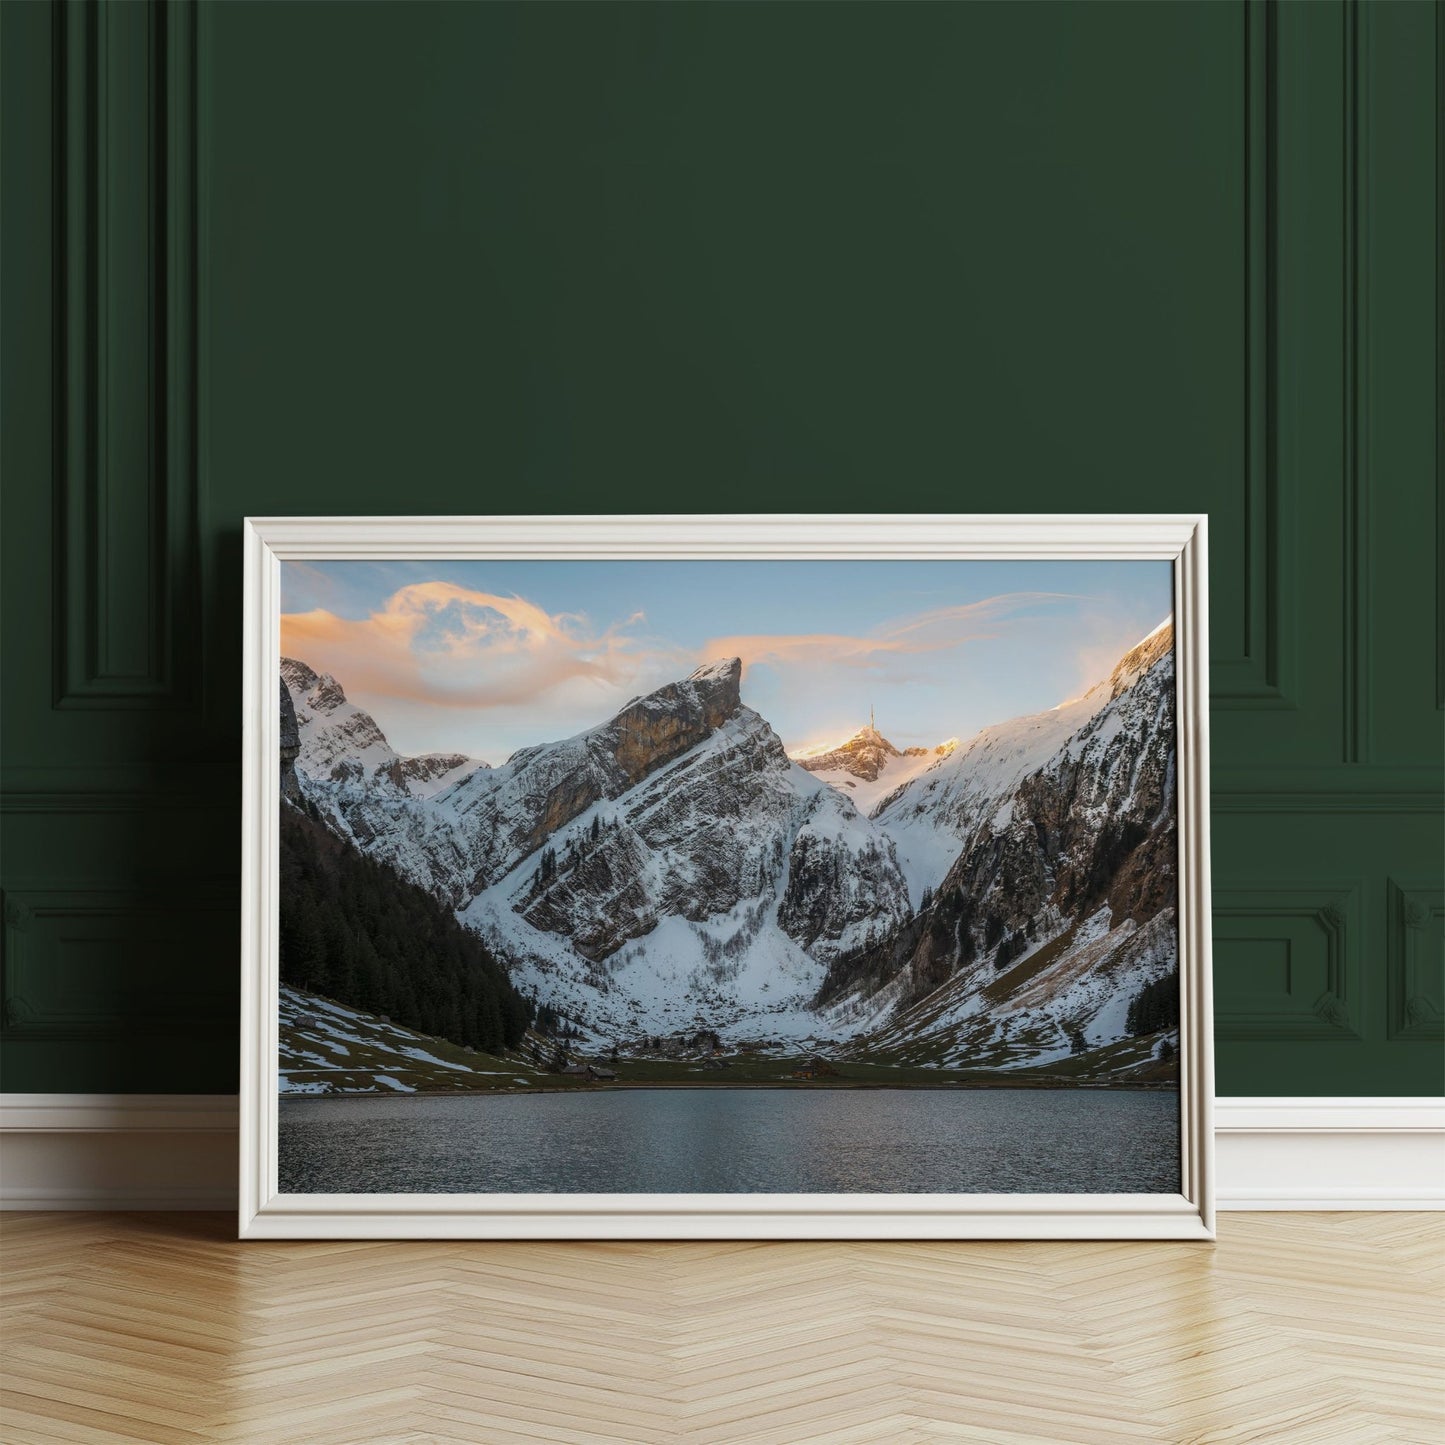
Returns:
point(803, 1138)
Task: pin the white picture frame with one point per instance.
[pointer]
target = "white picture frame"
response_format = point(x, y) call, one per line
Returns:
point(265, 1213)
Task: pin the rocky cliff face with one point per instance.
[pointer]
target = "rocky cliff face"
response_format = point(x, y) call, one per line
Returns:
point(429, 773)
point(1060, 902)
point(454, 825)
point(289, 747)
point(509, 813)
point(714, 889)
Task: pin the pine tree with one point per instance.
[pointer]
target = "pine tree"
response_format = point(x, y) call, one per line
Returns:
point(1155, 1007)
point(353, 929)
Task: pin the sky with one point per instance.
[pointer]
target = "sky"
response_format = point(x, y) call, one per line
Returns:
point(483, 658)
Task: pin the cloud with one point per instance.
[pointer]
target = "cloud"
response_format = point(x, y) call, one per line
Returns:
point(447, 645)
point(933, 631)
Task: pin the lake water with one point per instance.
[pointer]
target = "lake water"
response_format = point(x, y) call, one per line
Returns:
point(725, 1141)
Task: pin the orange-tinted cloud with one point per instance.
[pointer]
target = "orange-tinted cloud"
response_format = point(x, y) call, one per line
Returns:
point(934, 631)
point(443, 644)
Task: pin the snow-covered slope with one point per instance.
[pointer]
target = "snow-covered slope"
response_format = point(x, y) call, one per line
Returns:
point(327, 1048)
point(931, 815)
point(509, 812)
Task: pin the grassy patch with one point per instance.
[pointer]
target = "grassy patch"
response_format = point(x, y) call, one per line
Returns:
point(378, 1057)
point(1131, 1060)
point(1029, 968)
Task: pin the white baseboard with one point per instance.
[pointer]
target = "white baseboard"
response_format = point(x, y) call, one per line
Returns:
point(118, 1151)
point(1342, 1153)
point(178, 1151)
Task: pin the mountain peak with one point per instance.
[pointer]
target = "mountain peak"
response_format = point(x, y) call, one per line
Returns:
point(721, 669)
point(326, 694)
point(864, 755)
point(1141, 657)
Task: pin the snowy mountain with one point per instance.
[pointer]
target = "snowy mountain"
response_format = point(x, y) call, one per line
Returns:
point(508, 813)
point(868, 767)
point(998, 901)
point(1059, 902)
point(932, 814)
point(713, 892)
point(341, 745)
point(671, 864)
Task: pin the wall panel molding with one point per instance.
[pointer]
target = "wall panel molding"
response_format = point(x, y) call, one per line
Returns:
point(111, 962)
point(127, 550)
point(110, 800)
point(1259, 674)
point(1416, 959)
point(1439, 48)
point(1355, 404)
point(122, 787)
point(1365, 789)
point(1286, 962)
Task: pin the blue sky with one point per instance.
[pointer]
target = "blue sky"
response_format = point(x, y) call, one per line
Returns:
point(486, 657)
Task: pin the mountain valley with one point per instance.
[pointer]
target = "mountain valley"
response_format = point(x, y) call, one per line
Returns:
point(994, 904)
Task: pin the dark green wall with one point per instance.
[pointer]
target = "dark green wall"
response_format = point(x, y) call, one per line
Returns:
point(626, 257)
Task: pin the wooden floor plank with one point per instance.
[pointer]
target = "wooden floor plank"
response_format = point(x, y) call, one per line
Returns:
point(159, 1328)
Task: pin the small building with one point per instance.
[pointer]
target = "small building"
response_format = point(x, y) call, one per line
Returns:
point(577, 1070)
point(597, 1071)
point(815, 1068)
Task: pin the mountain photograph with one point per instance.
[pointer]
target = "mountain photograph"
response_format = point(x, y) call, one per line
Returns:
point(578, 856)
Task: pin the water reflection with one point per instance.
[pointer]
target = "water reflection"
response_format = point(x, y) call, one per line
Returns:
point(720, 1141)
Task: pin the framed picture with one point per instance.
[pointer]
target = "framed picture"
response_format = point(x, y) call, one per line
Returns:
point(707, 877)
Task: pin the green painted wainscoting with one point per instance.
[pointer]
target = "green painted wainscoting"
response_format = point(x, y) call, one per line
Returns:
point(362, 258)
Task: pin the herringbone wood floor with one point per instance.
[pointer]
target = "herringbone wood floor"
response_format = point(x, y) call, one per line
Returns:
point(161, 1328)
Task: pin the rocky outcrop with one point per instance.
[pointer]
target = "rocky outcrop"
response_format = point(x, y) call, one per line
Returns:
point(732, 826)
point(864, 755)
point(840, 889)
point(654, 729)
point(510, 812)
point(867, 767)
point(428, 771)
point(456, 826)
point(290, 747)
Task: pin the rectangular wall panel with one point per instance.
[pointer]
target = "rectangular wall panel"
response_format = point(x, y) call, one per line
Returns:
point(1286, 962)
point(126, 561)
point(113, 963)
